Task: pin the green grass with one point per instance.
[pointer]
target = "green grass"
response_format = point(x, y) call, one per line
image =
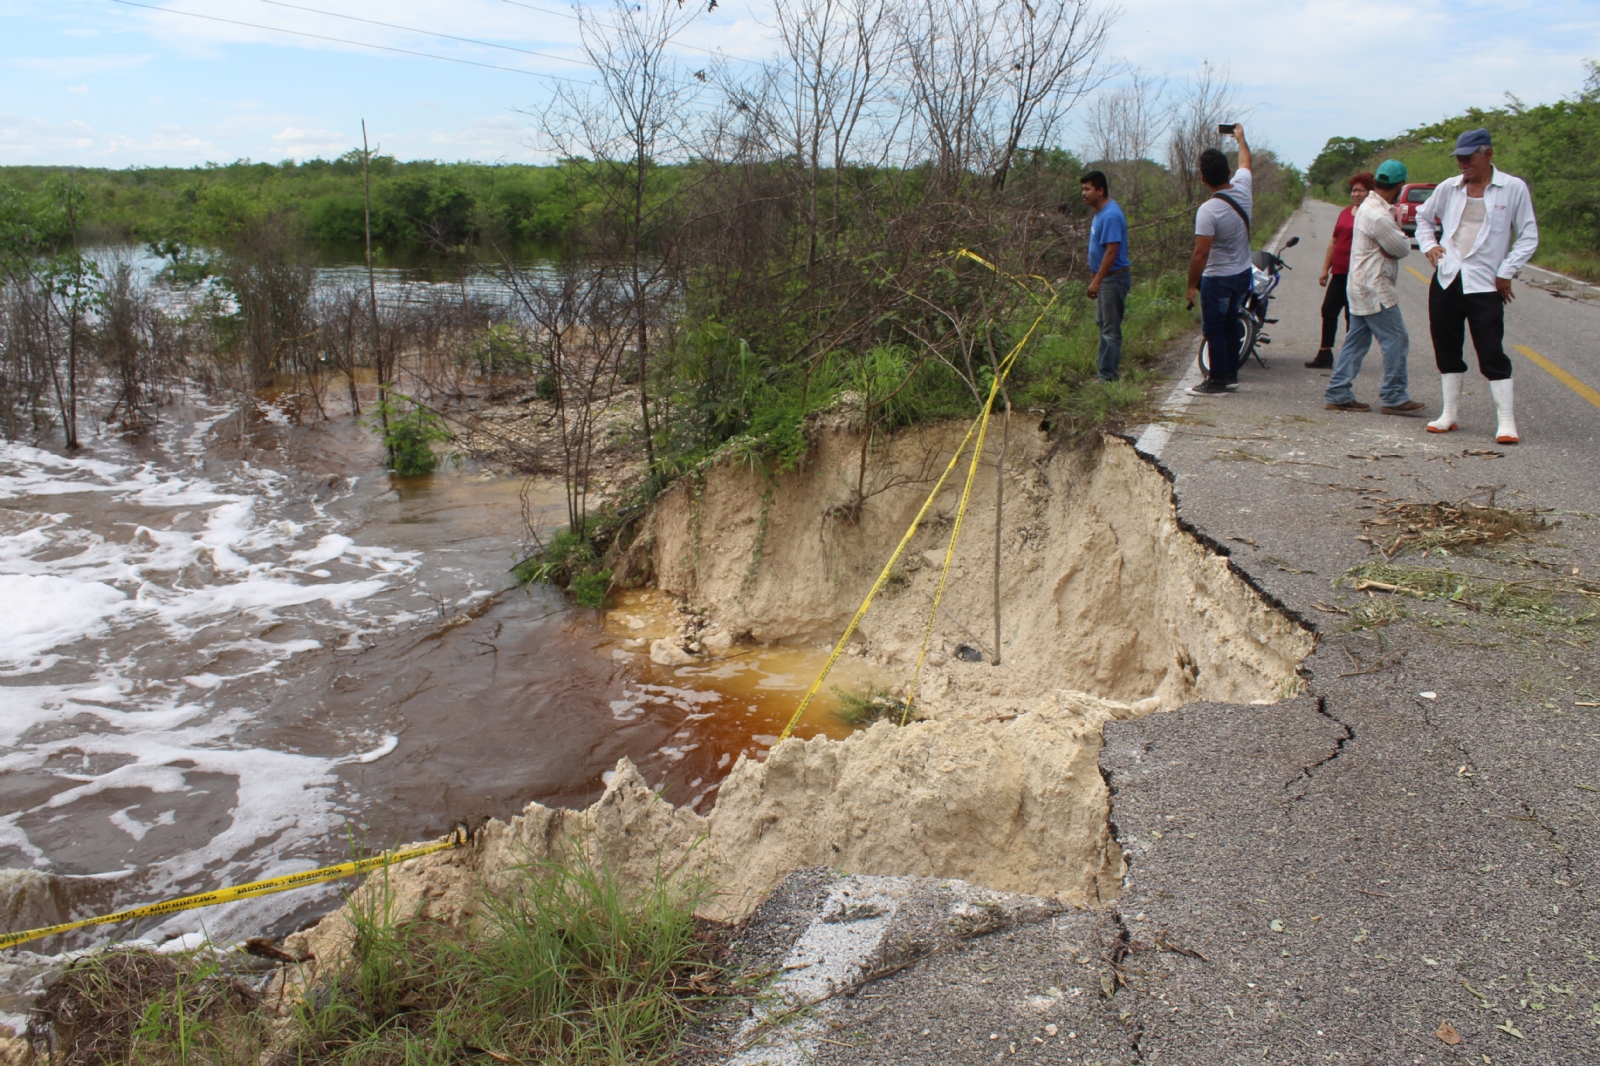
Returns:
point(1554, 603)
point(869, 705)
point(567, 967)
point(134, 1006)
point(570, 561)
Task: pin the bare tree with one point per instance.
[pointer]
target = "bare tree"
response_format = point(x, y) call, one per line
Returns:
point(642, 113)
point(1125, 122)
point(989, 77)
point(1201, 103)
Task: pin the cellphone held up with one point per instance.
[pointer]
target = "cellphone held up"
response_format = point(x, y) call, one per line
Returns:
point(1225, 127)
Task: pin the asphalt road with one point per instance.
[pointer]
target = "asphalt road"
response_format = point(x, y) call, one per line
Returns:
point(1555, 320)
point(1403, 864)
point(1415, 844)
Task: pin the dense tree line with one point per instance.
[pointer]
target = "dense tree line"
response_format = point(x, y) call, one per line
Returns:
point(1554, 147)
point(416, 206)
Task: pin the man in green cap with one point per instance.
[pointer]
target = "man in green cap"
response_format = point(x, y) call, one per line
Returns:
point(1376, 248)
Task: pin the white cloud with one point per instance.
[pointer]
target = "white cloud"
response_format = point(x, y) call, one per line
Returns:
point(77, 88)
point(33, 140)
point(296, 143)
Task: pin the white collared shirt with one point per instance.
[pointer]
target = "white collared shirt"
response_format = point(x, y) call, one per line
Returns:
point(1376, 248)
point(1507, 207)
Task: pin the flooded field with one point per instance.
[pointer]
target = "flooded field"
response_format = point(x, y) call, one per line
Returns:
point(223, 659)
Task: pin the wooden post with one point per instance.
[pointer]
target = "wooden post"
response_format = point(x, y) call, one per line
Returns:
point(372, 289)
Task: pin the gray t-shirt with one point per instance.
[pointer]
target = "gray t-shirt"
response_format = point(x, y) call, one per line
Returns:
point(1230, 250)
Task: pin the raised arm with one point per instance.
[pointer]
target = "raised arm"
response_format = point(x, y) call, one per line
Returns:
point(1244, 148)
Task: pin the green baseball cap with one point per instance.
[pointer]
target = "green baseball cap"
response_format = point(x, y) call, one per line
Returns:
point(1392, 172)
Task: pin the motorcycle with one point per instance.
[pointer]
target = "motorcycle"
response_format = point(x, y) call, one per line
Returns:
point(1265, 268)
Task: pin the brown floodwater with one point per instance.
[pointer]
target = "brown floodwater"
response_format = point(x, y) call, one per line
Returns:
point(232, 651)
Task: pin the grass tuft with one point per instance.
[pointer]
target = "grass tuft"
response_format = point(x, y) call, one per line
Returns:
point(568, 967)
point(135, 1006)
point(871, 704)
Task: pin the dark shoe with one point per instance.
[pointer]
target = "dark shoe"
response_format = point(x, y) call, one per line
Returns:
point(1209, 388)
point(1404, 409)
point(1348, 405)
point(1323, 361)
point(1231, 384)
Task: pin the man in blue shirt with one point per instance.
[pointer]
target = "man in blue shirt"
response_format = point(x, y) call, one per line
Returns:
point(1108, 255)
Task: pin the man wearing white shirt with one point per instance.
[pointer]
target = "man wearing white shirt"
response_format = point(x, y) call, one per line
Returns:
point(1466, 230)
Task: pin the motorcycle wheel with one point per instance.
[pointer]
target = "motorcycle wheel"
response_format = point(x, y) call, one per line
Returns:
point(1249, 331)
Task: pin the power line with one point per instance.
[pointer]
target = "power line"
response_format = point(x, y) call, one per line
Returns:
point(426, 33)
point(575, 18)
point(346, 40)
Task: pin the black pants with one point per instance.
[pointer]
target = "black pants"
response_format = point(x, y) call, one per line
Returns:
point(1334, 300)
point(1451, 313)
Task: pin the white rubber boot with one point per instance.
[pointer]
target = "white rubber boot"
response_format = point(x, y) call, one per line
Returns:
point(1452, 404)
point(1507, 431)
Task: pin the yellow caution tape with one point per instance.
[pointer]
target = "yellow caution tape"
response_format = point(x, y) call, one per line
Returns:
point(237, 892)
point(1005, 368)
point(979, 428)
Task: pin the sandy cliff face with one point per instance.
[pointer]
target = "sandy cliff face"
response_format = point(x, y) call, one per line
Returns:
point(1102, 591)
point(1109, 610)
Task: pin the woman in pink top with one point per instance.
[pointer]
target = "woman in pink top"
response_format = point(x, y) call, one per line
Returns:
point(1336, 270)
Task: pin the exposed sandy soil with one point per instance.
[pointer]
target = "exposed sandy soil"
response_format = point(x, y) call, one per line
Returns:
point(1111, 611)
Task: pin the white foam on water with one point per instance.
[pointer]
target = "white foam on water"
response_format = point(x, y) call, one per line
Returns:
point(42, 612)
point(105, 556)
point(390, 743)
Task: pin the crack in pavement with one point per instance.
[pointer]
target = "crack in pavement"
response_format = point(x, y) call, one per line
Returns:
point(1308, 772)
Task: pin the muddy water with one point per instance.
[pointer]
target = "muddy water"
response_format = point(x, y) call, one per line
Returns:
point(229, 656)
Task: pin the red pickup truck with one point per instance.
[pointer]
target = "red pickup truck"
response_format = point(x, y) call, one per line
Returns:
point(1411, 197)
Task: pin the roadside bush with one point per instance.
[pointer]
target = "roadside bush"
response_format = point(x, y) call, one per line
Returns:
point(570, 561)
point(409, 433)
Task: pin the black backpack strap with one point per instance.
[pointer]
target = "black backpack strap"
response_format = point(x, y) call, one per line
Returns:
point(1231, 202)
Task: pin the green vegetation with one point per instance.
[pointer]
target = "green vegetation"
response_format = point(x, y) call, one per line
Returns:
point(869, 705)
point(409, 431)
point(567, 967)
point(1555, 148)
point(572, 561)
point(136, 1007)
point(1553, 603)
point(415, 206)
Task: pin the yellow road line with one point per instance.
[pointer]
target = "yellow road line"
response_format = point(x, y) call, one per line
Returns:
point(1419, 275)
point(1560, 375)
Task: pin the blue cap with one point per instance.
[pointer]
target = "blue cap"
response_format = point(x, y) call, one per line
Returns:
point(1471, 141)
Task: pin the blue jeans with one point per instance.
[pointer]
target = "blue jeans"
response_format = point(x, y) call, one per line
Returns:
point(1220, 301)
point(1390, 330)
point(1108, 309)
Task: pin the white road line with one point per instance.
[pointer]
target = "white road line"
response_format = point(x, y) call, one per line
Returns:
point(1156, 434)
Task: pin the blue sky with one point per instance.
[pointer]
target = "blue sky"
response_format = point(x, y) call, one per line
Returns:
point(98, 83)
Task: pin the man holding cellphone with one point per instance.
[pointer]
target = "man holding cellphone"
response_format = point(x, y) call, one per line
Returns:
point(1219, 269)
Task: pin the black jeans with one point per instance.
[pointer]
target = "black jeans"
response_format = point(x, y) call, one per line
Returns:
point(1452, 313)
point(1334, 300)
